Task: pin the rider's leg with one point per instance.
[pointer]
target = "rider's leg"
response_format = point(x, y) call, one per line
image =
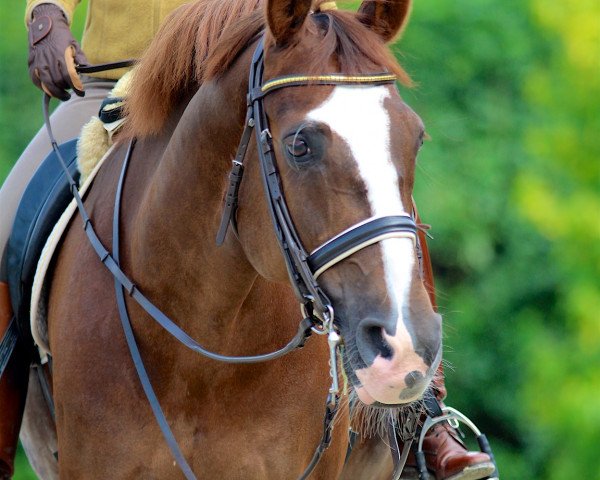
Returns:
point(13, 389)
point(445, 454)
point(67, 121)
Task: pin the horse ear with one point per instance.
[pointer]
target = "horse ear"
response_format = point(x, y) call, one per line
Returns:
point(385, 17)
point(286, 17)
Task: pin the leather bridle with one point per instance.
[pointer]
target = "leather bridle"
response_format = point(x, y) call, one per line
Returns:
point(303, 268)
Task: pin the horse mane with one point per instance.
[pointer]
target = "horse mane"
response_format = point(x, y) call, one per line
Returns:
point(173, 65)
point(193, 46)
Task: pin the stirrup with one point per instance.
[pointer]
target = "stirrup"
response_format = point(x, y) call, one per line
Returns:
point(453, 417)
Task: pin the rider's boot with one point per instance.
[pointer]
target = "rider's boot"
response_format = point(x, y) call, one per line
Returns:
point(446, 455)
point(13, 389)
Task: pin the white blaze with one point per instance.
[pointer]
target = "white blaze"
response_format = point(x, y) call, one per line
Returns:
point(358, 116)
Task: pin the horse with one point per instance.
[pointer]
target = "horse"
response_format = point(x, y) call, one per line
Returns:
point(342, 147)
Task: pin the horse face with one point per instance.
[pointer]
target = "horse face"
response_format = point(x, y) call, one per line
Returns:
point(346, 155)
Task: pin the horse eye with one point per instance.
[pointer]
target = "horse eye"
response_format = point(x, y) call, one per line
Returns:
point(297, 147)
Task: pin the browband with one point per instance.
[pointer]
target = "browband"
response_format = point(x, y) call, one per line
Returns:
point(329, 79)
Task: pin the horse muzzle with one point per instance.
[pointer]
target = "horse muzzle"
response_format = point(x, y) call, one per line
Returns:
point(395, 372)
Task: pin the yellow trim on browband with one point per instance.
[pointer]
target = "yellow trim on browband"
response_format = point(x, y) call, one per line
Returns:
point(277, 82)
point(328, 6)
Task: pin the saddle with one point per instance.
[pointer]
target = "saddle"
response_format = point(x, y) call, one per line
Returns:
point(42, 204)
point(48, 195)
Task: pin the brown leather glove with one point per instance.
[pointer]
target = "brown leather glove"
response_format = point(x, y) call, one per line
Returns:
point(54, 53)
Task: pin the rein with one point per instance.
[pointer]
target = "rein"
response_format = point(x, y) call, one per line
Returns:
point(103, 67)
point(124, 285)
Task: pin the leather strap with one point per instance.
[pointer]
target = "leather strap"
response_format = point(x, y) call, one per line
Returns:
point(260, 91)
point(103, 67)
point(426, 266)
point(398, 457)
point(235, 179)
point(8, 344)
point(432, 406)
point(9, 332)
point(130, 338)
point(331, 408)
point(114, 111)
point(45, 386)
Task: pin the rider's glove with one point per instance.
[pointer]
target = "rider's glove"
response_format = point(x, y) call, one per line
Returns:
point(54, 53)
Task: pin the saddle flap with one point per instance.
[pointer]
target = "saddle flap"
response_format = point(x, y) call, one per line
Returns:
point(44, 200)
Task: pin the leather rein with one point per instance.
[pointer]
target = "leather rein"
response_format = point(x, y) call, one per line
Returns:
point(303, 268)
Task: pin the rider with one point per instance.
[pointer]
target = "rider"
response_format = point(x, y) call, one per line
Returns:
point(115, 30)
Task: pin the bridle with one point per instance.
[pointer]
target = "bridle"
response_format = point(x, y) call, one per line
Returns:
point(303, 268)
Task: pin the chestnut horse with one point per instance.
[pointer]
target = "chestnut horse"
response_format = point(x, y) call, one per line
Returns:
point(344, 152)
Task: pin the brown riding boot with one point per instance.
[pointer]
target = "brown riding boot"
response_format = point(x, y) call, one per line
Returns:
point(13, 390)
point(446, 455)
point(448, 458)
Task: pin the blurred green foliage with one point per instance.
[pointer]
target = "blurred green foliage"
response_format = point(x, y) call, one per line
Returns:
point(510, 94)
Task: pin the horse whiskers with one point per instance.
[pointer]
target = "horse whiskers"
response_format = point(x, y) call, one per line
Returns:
point(350, 356)
point(447, 365)
point(370, 421)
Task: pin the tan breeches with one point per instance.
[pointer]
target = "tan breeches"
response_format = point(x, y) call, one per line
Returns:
point(66, 121)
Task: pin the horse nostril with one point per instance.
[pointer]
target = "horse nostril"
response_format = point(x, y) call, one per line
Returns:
point(375, 334)
point(371, 343)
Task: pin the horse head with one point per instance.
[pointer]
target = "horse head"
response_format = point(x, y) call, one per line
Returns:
point(346, 155)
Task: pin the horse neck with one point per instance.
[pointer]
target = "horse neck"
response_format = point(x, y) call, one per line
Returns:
point(172, 247)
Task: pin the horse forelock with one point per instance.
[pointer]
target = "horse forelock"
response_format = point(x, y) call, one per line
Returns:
point(192, 47)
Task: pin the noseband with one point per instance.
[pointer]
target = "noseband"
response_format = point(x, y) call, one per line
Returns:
point(303, 268)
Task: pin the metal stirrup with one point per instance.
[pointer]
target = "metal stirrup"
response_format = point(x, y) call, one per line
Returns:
point(452, 416)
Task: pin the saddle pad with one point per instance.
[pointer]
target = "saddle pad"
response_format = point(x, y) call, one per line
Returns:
point(40, 288)
point(42, 203)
